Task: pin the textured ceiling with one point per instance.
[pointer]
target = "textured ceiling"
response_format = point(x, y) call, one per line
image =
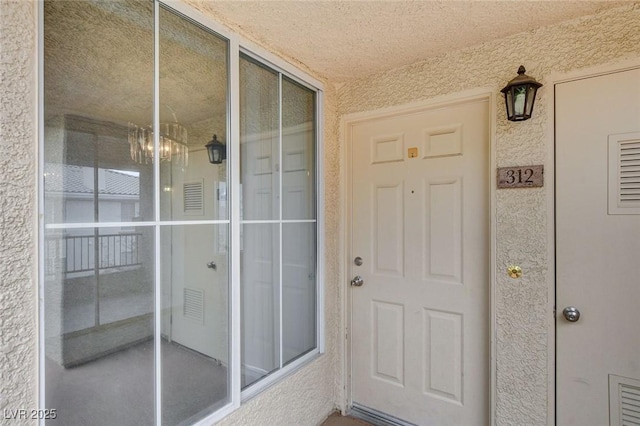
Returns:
point(344, 40)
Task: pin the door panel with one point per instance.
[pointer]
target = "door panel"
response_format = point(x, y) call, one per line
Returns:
point(597, 248)
point(198, 293)
point(420, 322)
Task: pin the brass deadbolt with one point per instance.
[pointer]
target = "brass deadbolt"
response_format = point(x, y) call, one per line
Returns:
point(514, 271)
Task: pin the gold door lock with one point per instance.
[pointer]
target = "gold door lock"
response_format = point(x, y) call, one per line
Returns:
point(514, 271)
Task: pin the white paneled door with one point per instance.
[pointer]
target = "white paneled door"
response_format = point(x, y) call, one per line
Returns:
point(421, 225)
point(198, 291)
point(598, 250)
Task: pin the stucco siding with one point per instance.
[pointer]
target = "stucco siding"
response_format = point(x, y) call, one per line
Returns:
point(18, 330)
point(523, 318)
point(309, 394)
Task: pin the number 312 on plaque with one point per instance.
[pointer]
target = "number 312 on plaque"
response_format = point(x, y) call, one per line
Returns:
point(521, 177)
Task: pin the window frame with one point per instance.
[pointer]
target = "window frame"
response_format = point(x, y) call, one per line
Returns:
point(237, 45)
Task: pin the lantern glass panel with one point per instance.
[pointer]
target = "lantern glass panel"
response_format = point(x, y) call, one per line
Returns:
point(519, 100)
point(509, 103)
point(531, 97)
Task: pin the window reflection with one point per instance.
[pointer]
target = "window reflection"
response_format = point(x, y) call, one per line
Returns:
point(195, 322)
point(98, 281)
point(278, 209)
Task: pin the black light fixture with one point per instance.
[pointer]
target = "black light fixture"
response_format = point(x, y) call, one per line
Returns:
point(519, 95)
point(217, 150)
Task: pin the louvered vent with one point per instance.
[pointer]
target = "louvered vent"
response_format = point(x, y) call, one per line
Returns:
point(630, 173)
point(624, 401)
point(194, 305)
point(193, 201)
point(630, 405)
point(624, 174)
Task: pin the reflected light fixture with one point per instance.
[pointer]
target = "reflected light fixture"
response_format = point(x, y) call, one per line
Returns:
point(173, 143)
point(217, 150)
point(519, 96)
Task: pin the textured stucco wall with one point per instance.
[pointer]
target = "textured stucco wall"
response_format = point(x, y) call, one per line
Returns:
point(18, 331)
point(522, 313)
point(308, 395)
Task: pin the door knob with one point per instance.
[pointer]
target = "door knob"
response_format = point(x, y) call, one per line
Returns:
point(571, 314)
point(357, 281)
point(212, 265)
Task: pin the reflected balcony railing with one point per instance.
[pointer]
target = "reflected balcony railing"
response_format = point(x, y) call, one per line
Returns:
point(76, 254)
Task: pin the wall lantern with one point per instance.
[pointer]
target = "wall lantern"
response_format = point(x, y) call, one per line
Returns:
point(217, 150)
point(520, 95)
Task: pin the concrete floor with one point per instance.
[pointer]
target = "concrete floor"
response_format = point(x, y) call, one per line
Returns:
point(336, 419)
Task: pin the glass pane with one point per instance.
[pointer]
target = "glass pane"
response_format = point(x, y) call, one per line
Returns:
point(259, 141)
point(298, 289)
point(260, 301)
point(195, 321)
point(99, 325)
point(298, 152)
point(98, 285)
point(98, 78)
point(193, 108)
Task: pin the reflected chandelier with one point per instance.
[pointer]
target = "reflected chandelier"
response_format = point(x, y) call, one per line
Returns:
point(173, 143)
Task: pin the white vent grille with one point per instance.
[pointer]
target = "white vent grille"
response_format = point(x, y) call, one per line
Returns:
point(624, 401)
point(630, 407)
point(194, 305)
point(630, 172)
point(193, 201)
point(624, 174)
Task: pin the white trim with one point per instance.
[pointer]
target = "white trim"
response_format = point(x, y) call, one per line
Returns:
point(200, 18)
point(493, 160)
point(40, 319)
point(278, 64)
point(549, 177)
point(233, 173)
point(347, 123)
point(272, 134)
point(610, 68)
point(217, 415)
point(280, 227)
point(77, 225)
point(553, 80)
point(157, 335)
point(266, 382)
point(413, 107)
point(320, 225)
point(345, 256)
point(275, 221)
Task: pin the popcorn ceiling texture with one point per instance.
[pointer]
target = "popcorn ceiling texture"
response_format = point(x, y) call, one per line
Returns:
point(522, 315)
point(18, 330)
